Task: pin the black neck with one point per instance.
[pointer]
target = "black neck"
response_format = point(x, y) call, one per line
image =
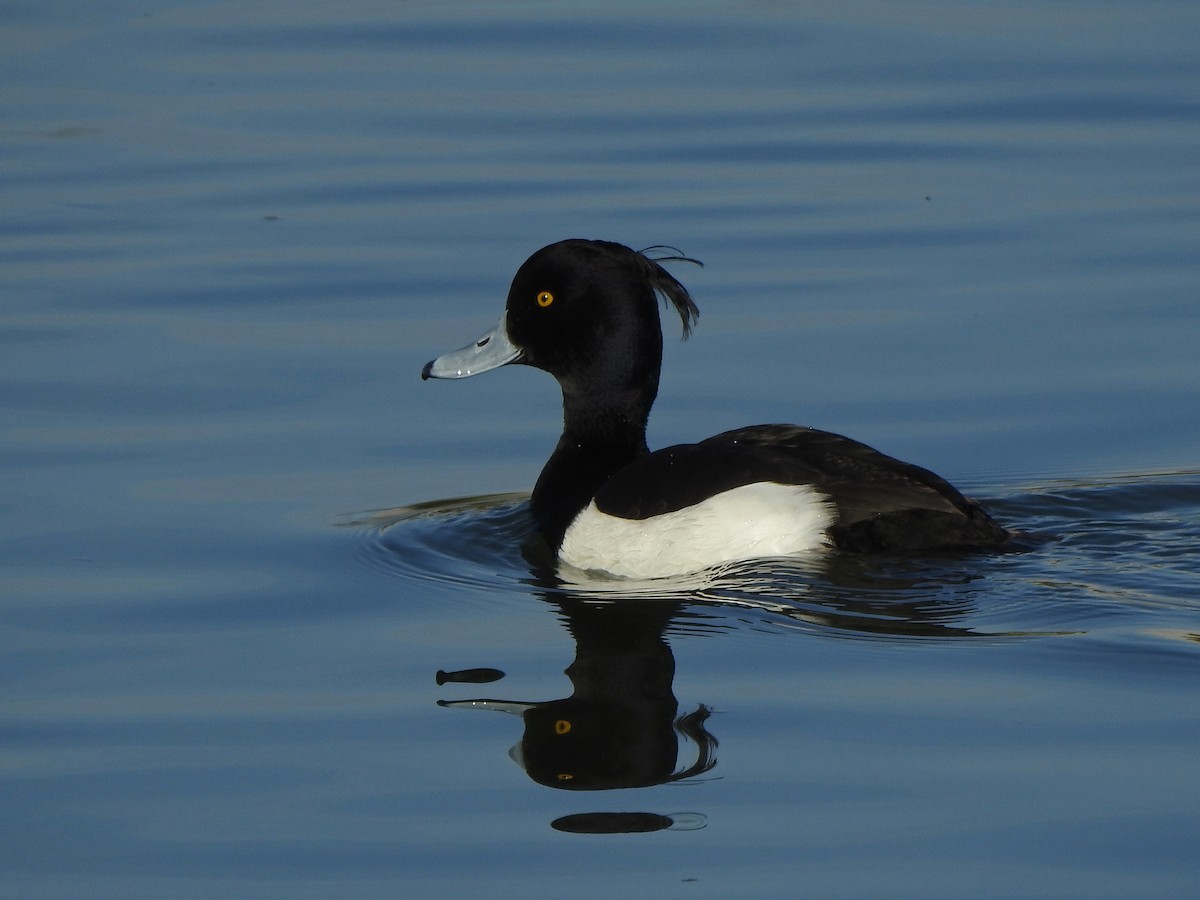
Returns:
point(597, 440)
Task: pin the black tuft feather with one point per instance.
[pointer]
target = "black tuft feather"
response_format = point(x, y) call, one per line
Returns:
point(667, 286)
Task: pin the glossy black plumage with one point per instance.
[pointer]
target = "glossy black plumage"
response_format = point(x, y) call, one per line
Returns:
point(882, 503)
point(587, 313)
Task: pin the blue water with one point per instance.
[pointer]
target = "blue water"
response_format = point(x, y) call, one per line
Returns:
point(239, 538)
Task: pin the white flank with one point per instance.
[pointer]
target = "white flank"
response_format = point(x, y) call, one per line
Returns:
point(755, 520)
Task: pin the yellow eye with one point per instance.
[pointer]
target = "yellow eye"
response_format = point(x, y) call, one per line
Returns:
point(562, 726)
point(544, 299)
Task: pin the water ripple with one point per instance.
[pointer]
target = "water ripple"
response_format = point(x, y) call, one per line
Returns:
point(1100, 555)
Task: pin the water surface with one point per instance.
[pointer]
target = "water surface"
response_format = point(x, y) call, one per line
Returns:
point(235, 547)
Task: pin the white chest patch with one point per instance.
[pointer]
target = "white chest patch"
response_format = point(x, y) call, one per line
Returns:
point(754, 520)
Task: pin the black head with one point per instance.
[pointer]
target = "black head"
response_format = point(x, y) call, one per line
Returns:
point(586, 312)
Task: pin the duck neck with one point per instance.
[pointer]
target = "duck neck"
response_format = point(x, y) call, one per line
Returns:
point(598, 439)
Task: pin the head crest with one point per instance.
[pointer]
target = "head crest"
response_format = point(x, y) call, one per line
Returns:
point(666, 285)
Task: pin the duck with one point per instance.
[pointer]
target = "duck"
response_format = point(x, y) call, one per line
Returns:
point(587, 312)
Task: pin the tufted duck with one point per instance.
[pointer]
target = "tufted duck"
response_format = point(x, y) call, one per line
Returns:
point(586, 312)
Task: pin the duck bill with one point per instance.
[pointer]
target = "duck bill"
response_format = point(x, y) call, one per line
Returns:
point(491, 351)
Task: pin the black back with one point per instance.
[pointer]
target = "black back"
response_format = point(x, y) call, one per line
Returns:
point(882, 503)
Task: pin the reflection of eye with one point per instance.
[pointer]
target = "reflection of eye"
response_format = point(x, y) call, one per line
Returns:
point(544, 299)
point(562, 726)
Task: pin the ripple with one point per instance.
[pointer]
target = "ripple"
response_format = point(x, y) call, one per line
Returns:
point(464, 542)
point(1102, 555)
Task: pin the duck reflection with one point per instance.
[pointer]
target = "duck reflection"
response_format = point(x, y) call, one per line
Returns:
point(621, 726)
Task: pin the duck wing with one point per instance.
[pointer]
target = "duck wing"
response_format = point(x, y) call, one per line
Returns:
point(882, 503)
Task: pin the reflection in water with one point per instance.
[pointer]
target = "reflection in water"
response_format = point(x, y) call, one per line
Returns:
point(619, 728)
point(468, 676)
point(872, 597)
point(627, 823)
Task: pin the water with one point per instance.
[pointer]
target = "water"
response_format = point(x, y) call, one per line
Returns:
point(230, 234)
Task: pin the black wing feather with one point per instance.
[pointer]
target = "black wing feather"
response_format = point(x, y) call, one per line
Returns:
point(882, 503)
